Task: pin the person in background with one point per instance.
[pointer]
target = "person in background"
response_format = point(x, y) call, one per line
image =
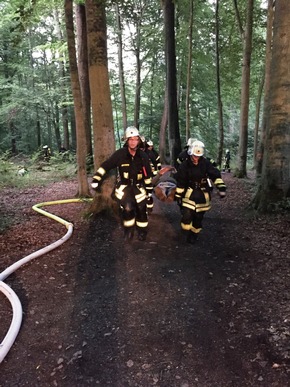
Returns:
point(154, 157)
point(193, 190)
point(155, 164)
point(183, 155)
point(227, 160)
point(46, 153)
point(134, 183)
point(62, 149)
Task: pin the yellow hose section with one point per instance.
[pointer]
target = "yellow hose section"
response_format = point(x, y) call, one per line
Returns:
point(37, 208)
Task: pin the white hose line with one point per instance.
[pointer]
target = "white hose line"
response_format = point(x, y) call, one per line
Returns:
point(13, 331)
point(15, 323)
point(34, 255)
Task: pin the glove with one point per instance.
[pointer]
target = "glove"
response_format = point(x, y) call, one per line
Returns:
point(222, 194)
point(95, 184)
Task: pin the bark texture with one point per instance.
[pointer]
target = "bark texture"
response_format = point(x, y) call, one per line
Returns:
point(83, 187)
point(274, 189)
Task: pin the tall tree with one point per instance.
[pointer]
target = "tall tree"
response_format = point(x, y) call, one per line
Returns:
point(162, 131)
point(103, 128)
point(218, 83)
point(269, 36)
point(135, 13)
point(82, 49)
point(246, 34)
point(62, 73)
point(171, 87)
point(257, 120)
point(83, 187)
point(188, 76)
point(274, 187)
point(121, 67)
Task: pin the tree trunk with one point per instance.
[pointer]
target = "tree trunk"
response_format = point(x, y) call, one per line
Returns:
point(152, 79)
point(38, 128)
point(56, 126)
point(218, 82)
point(83, 187)
point(241, 169)
point(121, 68)
point(260, 151)
point(257, 119)
point(274, 188)
point(173, 124)
point(73, 129)
point(138, 84)
point(82, 49)
point(104, 139)
point(104, 136)
point(62, 74)
point(162, 133)
point(188, 77)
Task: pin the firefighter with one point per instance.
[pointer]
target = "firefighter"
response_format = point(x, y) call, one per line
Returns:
point(227, 160)
point(46, 153)
point(193, 191)
point(153, 156)
point(184, 155)
point(155, 164)
point(134, 183)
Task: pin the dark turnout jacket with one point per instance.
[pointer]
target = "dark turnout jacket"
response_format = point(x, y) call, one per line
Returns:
point(194, 183)
point(131, 170)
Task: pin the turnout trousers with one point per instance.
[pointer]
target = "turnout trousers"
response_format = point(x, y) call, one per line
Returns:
point(194, 205)
point(132, 200)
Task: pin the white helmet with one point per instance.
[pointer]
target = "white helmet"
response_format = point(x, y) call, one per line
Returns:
point(196, 148)
point(227, 151)
point(142, 138)
point(150, 143)
point(190, 141)
point(131, 131)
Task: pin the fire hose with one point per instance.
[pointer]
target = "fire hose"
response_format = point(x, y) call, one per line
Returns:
point(16, 321)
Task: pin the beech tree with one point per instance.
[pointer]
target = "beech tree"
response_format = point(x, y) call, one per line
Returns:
point(103, 127)
point(246, 34)
point(83, 187)
point(274, 186)
point(171, 87)
point(121, 67)
point(83, 69)
point(189, 68)
point(218, 83)
point(261, 140)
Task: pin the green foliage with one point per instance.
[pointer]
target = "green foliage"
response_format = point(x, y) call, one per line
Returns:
point(38, 172)
point(32, 86)
point(34, 90)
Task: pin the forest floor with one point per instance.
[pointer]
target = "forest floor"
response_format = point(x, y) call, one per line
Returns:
point(101, 312)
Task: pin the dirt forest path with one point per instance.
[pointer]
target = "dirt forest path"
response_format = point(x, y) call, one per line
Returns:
point(100, 312)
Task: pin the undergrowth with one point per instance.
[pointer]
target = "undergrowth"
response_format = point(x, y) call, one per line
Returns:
point(21, 172)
